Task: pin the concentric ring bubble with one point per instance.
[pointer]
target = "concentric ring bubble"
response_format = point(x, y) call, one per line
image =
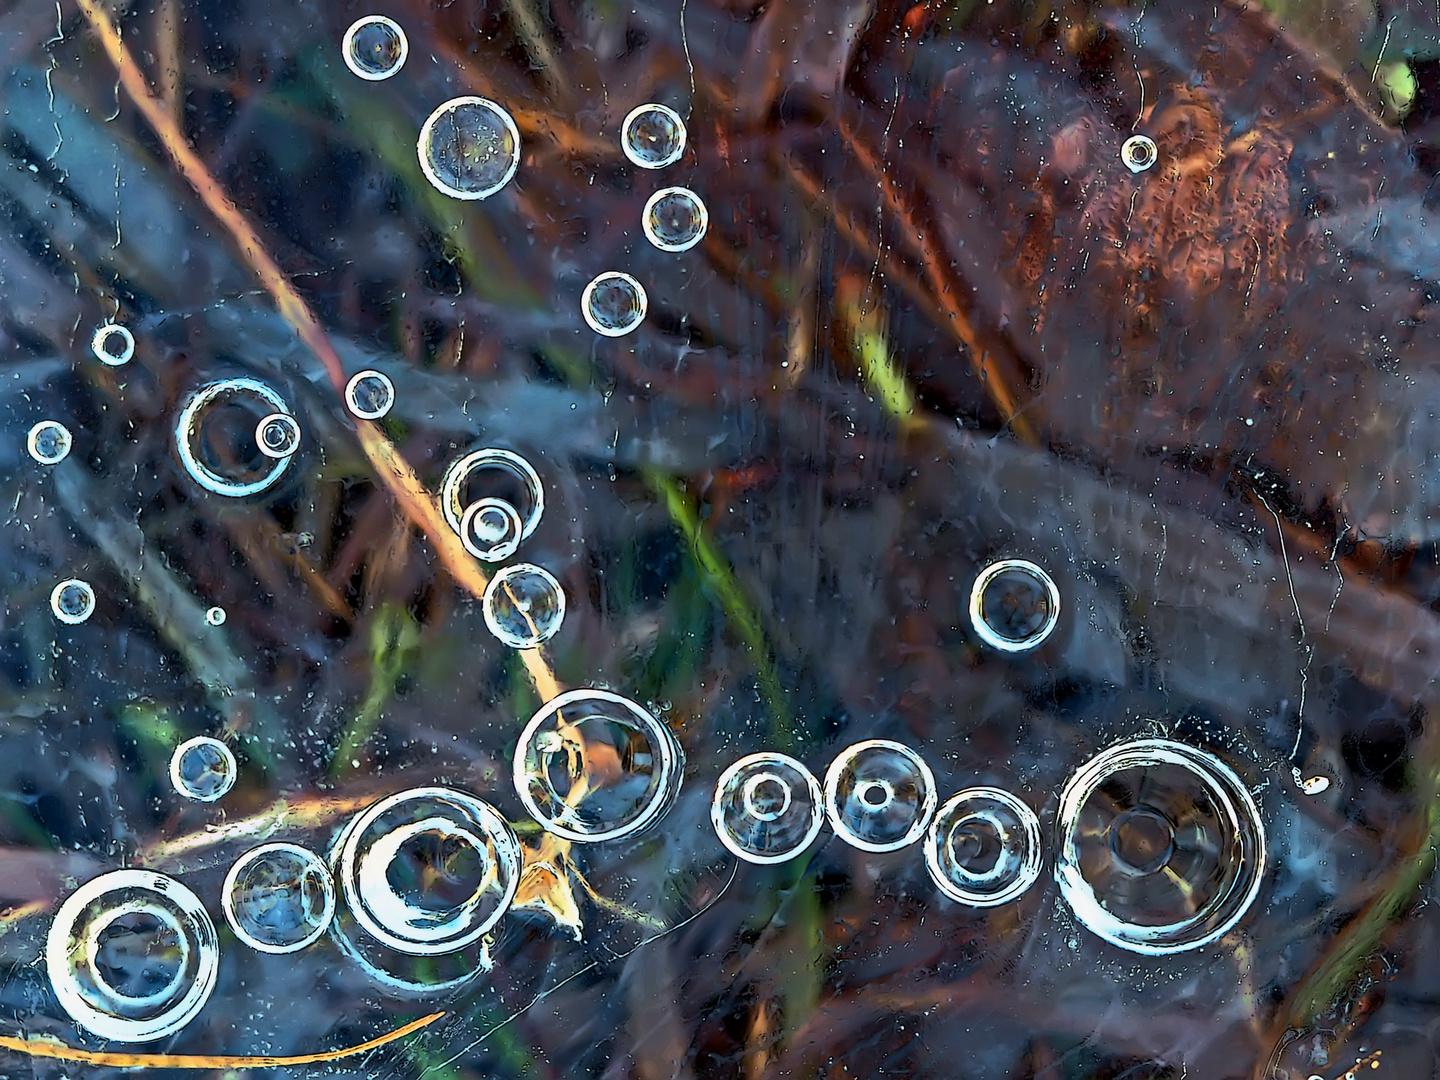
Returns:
point(983, 848)
point(72, 601)
point(879, 795)
point(614, 304)
point(653, 136)
point(767, 808)
point(279, 898)
point(675, 219)
point(1014, 605)
point(491, 529)
point(469, 148)
point(113, 344)
point(523, 605)
point(495, 474)
point(132, 956)
point(49, 442)
point(374, 47)
point(1139, 153)
point(277, 435)
point(203, 769)
point(1161, 848)
point(215, 616)
point(370, 394)
point(215, 436)
point(592, 766)
point(429, 870)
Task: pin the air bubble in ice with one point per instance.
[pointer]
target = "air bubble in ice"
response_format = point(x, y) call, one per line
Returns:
point(216, 436)
point(203, 769)
point(614, 304)
point(767, 808)
point(983, 848)
point(113, 344)
point(1139, 153)
point(469, 148)
point(491, 530)
point(675, 219)
point(879, 795)
point(49, 442)
point(370, 394)
point(653, 136)
point(1014, 605)
point(592, 765)
point(524, 605)
point(215, 616)
point(374, 47)
point(72, 601)
point(278, 898)
point(277, 435)
point(494, 474)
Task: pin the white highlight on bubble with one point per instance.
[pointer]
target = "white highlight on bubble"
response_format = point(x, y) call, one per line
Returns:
point(203, 769)
point(215, 616)
point(369, 394)
point(1139, 153)
point(491, 530)
point(374, 47)
point(49, 442)
point(675, 219)
point(653, 136)
point(188, 435)
point(103, 344)
point(469, 148)
point(72, 601)
point(614, 304)
point(277, 884)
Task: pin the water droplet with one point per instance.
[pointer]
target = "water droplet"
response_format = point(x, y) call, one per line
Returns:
point(1014, 605)
point(132, 956)
point(653, 136)
point(491, 529)
point(278, 898)
point(49, 442)
point(592, 766)
point(879, 795)
point(72, 601)
point(983, 848)
point(469, 148)
point(374, 47)
point(767, 808)
point(216, 437)
point(370, 394)
point(215, 616)
point(429, 870)
point(113, 344)
point(614, 304)
point(1139, 152)
point(1161, 846)
point(203, 769)
point(492, 474)
point(675, 219)
point(523, 605)
point(278, 435)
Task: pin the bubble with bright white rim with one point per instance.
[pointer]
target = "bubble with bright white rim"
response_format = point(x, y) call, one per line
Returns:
point(767, 808)
point(492, 473)
point(113, 344)
point(675, 219)
point(374, 47)
point(523, 605)
point(72, 601)
point(469, 148)
point(491, 529)
point(614, 304)
point(1139, 153)
point(1161, 847)
point(592, 765)
point(879, 795)
point(132, 956)
point(215, 616)
point(370, 394)
point(215, 436)
point(49, 442)
point(277, 435)
point(278, 898)
point(983, 847)
point(1014, 605)
point(203, 769)
point(428, 871)
point(653, 136)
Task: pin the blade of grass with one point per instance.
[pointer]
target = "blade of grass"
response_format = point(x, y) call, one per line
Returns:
point(394, 638)
point(865, 327)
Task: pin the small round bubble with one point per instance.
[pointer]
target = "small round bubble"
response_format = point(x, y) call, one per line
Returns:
point(218, 437)
point(374, 47)
point(675, 219)
point(72, 601)
point(370, 394)
point(614, 304)
point(278, 898)
point(1139, 153)
point(49, 442)
point(277, 435)
point(1014, 605)
point(492, 473)
point(215, 616)
point(469, 148)
point(524, 605)
point(203, 769)
point(983, 847)
point(491, 530)
point(767, 808)
point(653, 136)
point(113, 344)
point(879, 795)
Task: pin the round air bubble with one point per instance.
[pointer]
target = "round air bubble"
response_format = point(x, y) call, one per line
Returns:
point(469, 148)
point(203, 769)
point(277, 435)
point(278, 898)
point(374, 47)
point(523, 605)
point(879, 795)
point(492, 474)
point(370, 394)
point(614, 304)
point(593, 766)
point(675, 219)
point(1139, 153)
point(491, 530)
point(983, 848)
point(215, 616)
point(72, 601)
point(216, 437)
point(113, 344)
point(767, 808)
point(1014, 605)
point(653, 136)
point(49, 442)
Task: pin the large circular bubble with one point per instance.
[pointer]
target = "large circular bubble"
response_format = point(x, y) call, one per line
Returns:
point(675, 219)
point(113, 344)
point(49, 442)
point(72, 601)
point(1014, 605)
point(767, 808)
point(370, 394)
point(983, 848)
point(614, 304)
point(469, 148)
point(653, 136)
point(216, 437)
point(203, 769)
point(524, 606)
point(1161, 848)
point(592, 766)
point(278, 898)
point(879, 795)
point(491, 529)
point(492, 473)
point(132, 956)
point(374, 47)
